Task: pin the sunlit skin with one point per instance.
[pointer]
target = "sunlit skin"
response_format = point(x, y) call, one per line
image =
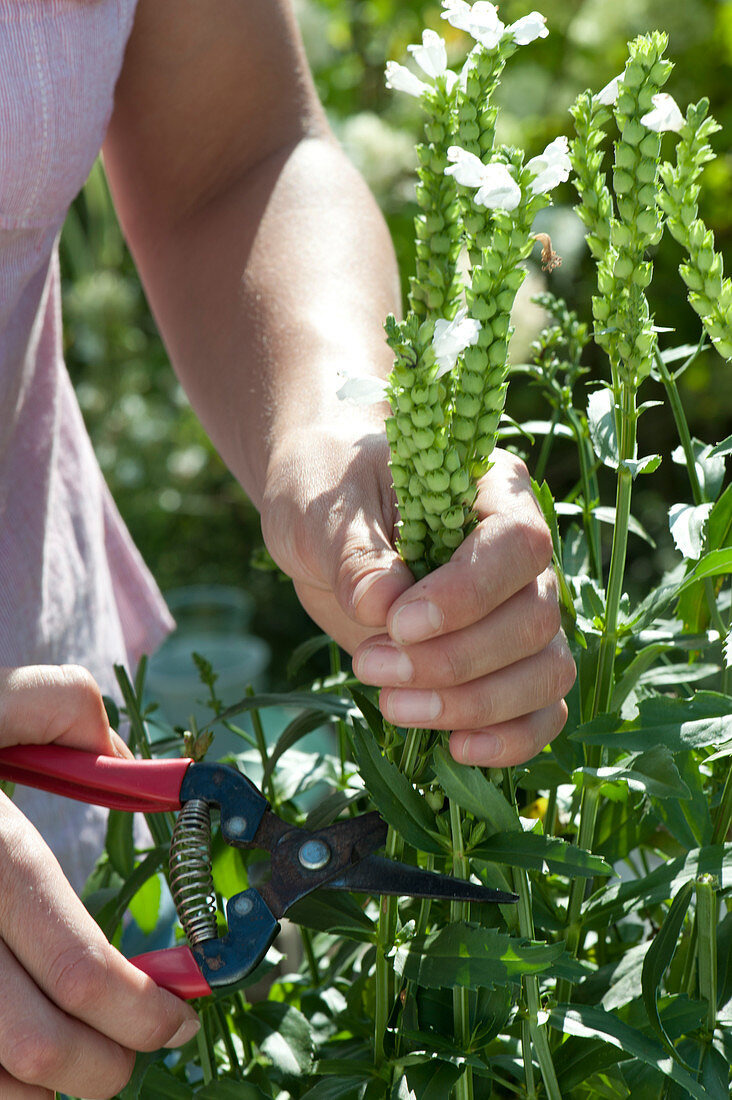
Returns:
point(269, 268)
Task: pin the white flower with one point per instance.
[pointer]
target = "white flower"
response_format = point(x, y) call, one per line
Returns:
point(480, 20)
point(551, 167)
point(401, 79)
point(527, 29)
point(497, 189)
point(608, 95)
point(361, 389)
point(451, 338)
point(431, 56)
point(665, 114)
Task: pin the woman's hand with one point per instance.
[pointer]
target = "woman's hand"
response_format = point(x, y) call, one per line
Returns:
point(476, 646)
point(72, 1009)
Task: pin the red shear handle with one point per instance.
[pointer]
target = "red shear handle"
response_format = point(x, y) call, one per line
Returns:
point(147, 785)
point(174, 969)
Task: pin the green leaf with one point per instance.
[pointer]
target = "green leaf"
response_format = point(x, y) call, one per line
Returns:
point(372, 715)
point(617, 900)
point(230, 1090)
point(149, 865)
point(338, 1088)
point(594, 1023)
point(710, 468)
point(657, 960)
point(337, 914)
point(312, 701)
point(547, 854)
point(301, 725)
point(723, 448)
point(702, 721)
point(143, 1062)
point(601, 422)
point(119, 843)
point(430, 1080)
point(687, 524)
point(636, 466)
point(160, 1084)
point(145, 904)
point(652, 772)
point(394, 796)
point(470, 789)
point(302, 653)
point(471, 956)
point(283, 1035)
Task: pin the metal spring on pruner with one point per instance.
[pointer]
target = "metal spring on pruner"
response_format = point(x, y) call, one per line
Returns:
point(191, 883)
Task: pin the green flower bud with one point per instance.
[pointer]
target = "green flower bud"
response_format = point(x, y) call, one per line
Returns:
point(421, 416)
point(650, 145)
point(623, 267)
point(647, 222)
point(497, 353)
point(404, 425)
point(488, 424)
point(423, 438)
point(460, 482)
point(600, 309)
point(451, 540)
point(634, 131)
point(412, 510)
point(452, 461)
point(622, 182)
point(642, 275)
point(392, 430)
point(505, 300)
point(453, 518)
point(471, 379)
point(626, 156)
point(437, 481)
point(485, 445)
point(646, 171)
point(462, 429)
point(410, 551)
point(436, 503)
point(467, 405)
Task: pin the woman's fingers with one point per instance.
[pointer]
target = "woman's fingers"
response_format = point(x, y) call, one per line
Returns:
point(509, 743)
point(62, 949)
point(43, 1047)
point(530, 684)
point(10, 1089)
point(61, 703)
point(518, 628)
point(510, 547)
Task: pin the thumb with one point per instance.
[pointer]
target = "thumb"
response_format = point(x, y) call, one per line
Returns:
point(368, 575)
point(62, 703)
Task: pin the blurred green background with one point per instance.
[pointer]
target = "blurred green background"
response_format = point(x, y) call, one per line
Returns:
point(189, 518)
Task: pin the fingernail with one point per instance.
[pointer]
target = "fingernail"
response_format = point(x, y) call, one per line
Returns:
point(481, 749)
point(413, 708)
point(186, 1031)
point(384, 665)
point(416, 621)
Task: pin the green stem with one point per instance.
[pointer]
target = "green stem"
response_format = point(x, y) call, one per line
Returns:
point(228, 1041)
point(604, 680)
point(706, 916)
point(460, 911)
point(534, 1036)
point(723, 816)
point(590, 490)
point(682, 427)
point(388, 913)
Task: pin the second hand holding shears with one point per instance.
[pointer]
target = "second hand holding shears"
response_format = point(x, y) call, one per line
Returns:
point(340, 856)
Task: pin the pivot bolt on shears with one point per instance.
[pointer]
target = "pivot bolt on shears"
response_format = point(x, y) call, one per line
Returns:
point(340, 856)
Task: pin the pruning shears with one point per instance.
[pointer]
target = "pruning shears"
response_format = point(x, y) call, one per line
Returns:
point(340, 856)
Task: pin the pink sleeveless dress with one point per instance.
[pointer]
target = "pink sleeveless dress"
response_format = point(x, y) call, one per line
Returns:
point(72, 585)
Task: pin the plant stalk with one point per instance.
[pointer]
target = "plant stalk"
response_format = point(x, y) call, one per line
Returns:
point(706, 916)
point(460, 911)
point(604, 680)
point(388, 913)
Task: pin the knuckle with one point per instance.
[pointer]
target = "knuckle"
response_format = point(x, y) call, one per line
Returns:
point(33, 1058)
point(85, 692)
point(117, 1072)
point(534, 541)
point(79, 978)
point(458, 665)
